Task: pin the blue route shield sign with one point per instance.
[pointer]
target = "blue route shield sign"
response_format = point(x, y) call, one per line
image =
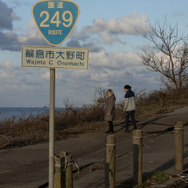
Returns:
point(55, 19)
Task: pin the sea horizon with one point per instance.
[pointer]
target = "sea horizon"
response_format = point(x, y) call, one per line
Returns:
point(24, 112)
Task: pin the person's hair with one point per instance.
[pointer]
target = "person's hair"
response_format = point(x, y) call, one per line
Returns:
point(109, 90)
point(127, 87)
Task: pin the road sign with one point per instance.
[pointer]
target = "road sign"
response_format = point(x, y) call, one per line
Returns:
point(55, 57)
point(55, 19)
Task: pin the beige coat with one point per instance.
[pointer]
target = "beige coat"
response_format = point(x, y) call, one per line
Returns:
point(110, 107)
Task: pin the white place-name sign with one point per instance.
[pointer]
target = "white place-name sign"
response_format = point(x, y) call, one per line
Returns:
point(55, 57)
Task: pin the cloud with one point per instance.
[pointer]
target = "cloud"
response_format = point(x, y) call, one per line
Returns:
point(81, 36)
point(127, 25)
point(116, 60)
point(92, 46)
point(74, 43)
point(7, 66)
point(32, 37)
point(9, 41)
point(12, 41)
point(110, 31)
point(20, 3)
point(108, 38)
point(179, 14)
point(7, 16)
point(83, 40)
point(22, 86)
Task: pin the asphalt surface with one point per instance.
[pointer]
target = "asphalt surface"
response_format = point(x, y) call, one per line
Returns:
point(27, 167)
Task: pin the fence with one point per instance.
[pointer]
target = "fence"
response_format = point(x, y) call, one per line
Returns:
point(63, 163)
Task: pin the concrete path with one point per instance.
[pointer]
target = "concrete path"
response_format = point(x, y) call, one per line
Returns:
point(27, 167)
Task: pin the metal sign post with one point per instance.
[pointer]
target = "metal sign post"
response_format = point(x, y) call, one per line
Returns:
point(55, 20)
point(51, 128)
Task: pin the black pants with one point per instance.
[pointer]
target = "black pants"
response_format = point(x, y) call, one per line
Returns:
point(111, 126)
point(127, 117)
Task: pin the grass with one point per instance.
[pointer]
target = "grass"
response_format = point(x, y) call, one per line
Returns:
point(160, 177)
point(156, 179)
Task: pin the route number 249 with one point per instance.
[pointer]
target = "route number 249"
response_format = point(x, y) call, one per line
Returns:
point(67, 22)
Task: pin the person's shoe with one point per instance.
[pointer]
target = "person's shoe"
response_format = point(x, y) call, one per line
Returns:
point(107, 132)
point(126, 128)
point(135, 128)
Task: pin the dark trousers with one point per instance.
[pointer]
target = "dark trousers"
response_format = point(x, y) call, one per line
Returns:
point(127, 117)
point(111, 126)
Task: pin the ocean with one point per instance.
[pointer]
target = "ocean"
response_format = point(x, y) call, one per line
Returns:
point(6, 113)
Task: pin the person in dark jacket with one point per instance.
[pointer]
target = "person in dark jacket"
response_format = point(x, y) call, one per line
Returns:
point(110, 109)
point(129, 106)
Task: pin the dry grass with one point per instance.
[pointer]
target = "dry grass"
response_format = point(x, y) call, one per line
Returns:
point(159, 102)
point(33, 130)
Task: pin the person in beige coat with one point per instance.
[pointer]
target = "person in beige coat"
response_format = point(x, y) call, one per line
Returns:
point(110, 109)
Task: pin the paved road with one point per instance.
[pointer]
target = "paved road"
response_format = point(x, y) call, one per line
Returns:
point(27, 167)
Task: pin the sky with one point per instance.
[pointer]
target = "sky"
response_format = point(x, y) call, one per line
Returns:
point(112, 30)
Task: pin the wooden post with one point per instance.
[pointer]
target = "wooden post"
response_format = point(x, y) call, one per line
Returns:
point(179, 146)
point(68, 171)
point(110, 161)
point(137, 156)
point(63, 177)
point(57, 175)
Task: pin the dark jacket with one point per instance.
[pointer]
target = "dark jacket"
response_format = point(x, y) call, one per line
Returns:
point(129, 101)
point(110, 107)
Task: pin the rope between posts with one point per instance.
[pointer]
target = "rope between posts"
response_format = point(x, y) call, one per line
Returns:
point(91, 154)
point(150, 135)
point(124, 141)
point(137, 137)
point(94, 153)
point(111, 145)
point(102, 149)
point(185, 127)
